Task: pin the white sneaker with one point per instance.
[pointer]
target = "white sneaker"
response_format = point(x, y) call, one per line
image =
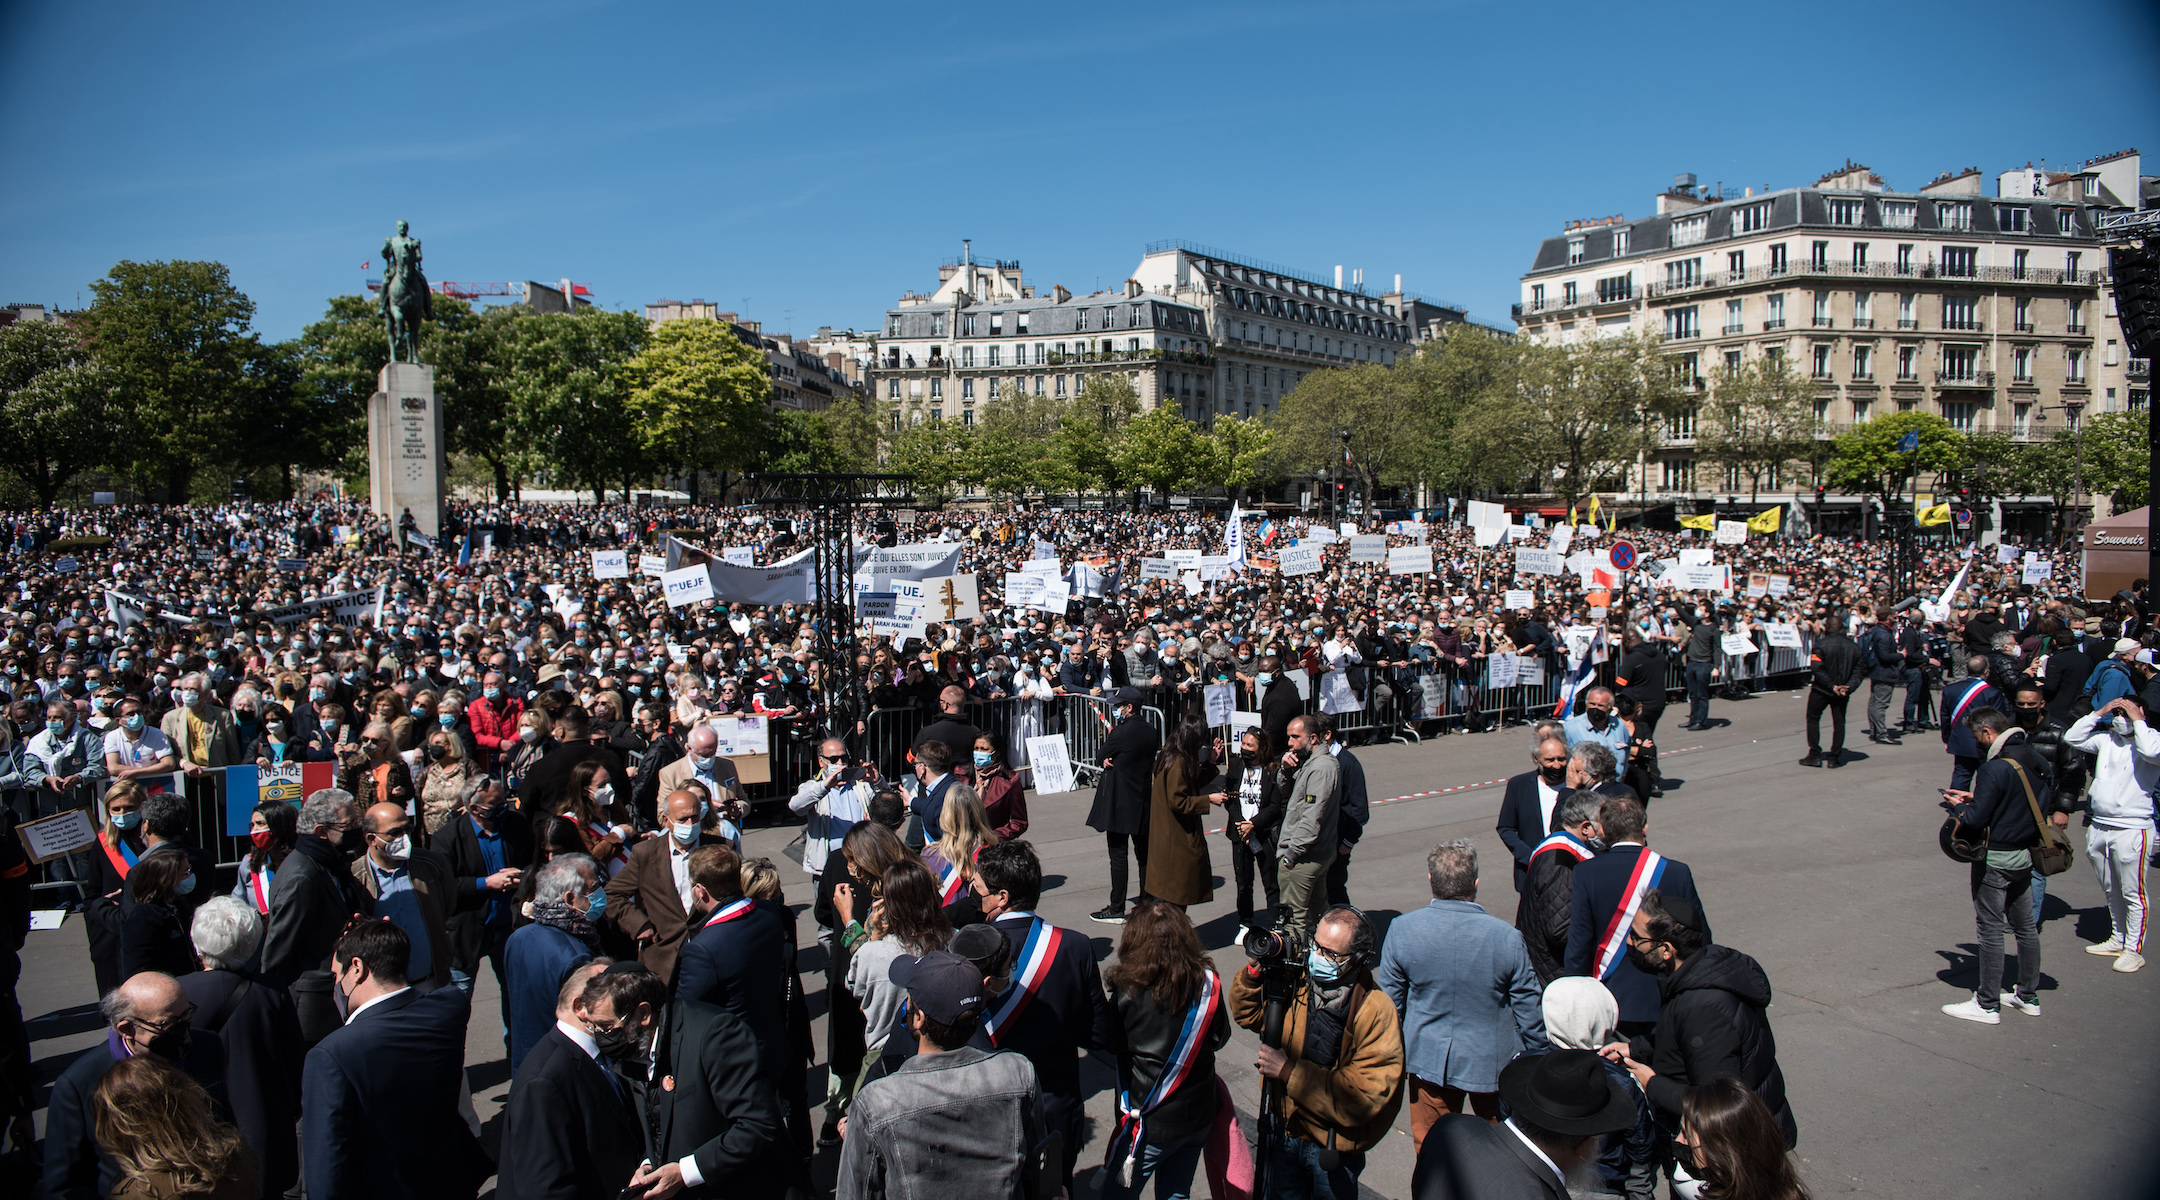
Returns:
point(1242, 930)
point(2111, 946)
point(2130, 960)
point(1970, 1010)
point(2010, 1000)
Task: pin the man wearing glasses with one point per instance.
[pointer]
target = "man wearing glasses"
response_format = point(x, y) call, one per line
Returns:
point(148, 1014)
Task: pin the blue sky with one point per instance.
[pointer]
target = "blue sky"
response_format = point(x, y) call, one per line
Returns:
point(808, 163)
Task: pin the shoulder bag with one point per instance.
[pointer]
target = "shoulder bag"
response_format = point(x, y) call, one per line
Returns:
point(2052, 856)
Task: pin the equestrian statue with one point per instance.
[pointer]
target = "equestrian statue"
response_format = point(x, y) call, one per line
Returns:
point(405, 297)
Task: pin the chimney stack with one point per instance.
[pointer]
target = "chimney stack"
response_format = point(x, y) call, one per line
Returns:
point(1338, 276)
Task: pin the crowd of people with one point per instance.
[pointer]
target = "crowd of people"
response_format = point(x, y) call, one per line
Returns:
point(520, 767)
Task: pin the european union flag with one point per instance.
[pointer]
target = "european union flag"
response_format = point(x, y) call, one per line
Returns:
point(1910, 442)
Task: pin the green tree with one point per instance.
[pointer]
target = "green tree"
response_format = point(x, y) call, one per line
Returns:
point(175, 335)
point(1571, 418)
point(1378, 409)
point(698, 398)
point(933, 451)
point(842, 437)
point(1161, 451)
point(1445, 380)
point(1088, 431)
point(472, 379)
point(58, 407)
point(1866, 457)
point(1010, 437)
point(569, 390)
point(1756, 419)
point(341, 358)
point(1238, 450)
point(2117, 446)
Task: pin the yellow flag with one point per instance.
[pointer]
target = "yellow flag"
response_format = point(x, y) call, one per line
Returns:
point(1705, 521)
point(1938, 515)
point(1593, 510)
point(1765, 521)
point(1571, 514)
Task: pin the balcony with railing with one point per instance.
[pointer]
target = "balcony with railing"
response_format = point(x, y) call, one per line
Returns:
point(1907, 323)
point(1824, 323)
point(1964, 377)
point(1863, 323)
point(2138, 368)
point(1710, 280)
point(1964, 325)
point(2074, 328)
point(1773, 324)
point(1733, 327)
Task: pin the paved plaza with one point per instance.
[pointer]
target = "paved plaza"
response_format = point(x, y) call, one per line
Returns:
point(1831, 878)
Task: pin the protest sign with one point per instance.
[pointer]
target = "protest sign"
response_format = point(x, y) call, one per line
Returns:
point(1214, 567)
point(1221, 700)
point(1500, 670)
point(1158, 568)
point(611, 564)
point(1695, 556)
point(741, 735)
point(651, 564)
point(1301, 560)
point(1529, 670)
point(1050, 762)
point(1536, 562)
point(1187, 560)
point(953, 598)
point(1562, 537)
point(1783, 633)
point(1046, 550)
point(1518, 598)
point(741, 556)
point(1758, 584)
point(2038, 572)
point(870, 606)
point(1737, 644)
point(1369, 548)
point(1410, 560)
point(1780, 585)
point(686, 585)
point(57, 836)
point(1730, 533)
point(1056, 595)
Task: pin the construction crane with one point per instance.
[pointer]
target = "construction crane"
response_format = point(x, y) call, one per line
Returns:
point(473, 291)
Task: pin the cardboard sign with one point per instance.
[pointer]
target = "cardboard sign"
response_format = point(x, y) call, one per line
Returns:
point(1780, 585)
point(686, 585)
point(651, 564)
point(1488, 535)
point(1349, 529)
point(611, 564)
point(1737, 644)
point(1301, 560)
point(1320, 535)
point(1158, 568)
point(1783, 633)
point(1410, 560)
point(1369, 548)
point(1047, 757)
point(1221, 701)
point(1501, 670)
point(1518, 598)
point(1536, 562)
point(952, 598)
point(1023, 589)
point(58, 835)
point(741, 735)
point(1730, 533)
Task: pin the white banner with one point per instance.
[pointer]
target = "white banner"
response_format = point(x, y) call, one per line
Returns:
point(611, 564)
point(1369, 548)
point(1410, 560)
point(686, 585)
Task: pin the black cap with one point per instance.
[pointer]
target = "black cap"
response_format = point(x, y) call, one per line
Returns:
point(1125, 695)
point(981, 945)
point(941, 985)
point(1683, 911)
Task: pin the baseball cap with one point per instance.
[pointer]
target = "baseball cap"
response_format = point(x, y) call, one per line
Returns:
point(2126, 645)
point(942, 986)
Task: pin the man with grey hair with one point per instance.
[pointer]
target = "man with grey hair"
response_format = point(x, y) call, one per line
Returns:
point(312, 900)
point(1469, 999)
point(254, 1017)
point(200, 729)
point(147, 1015)
point(567, 902)
point(1542, 914)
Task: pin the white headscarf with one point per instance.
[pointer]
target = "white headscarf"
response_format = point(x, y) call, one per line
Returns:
point(1581, 1014)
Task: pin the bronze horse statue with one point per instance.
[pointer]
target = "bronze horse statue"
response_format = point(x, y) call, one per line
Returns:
point(406, 300)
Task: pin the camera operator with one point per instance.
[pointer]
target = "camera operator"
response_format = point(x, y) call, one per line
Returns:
point(1336, 1072)
point(834, 800)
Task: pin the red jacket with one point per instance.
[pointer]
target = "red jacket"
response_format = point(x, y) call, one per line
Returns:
point(495, 724)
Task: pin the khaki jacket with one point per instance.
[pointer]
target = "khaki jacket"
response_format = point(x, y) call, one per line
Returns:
point(1356, 1100)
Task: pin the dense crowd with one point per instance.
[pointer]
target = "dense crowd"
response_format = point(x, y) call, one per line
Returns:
point(511, 760)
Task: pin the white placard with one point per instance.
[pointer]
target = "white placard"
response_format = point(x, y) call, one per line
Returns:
point(1320, 535)
point(1518, 598)
point(1023, 588)
point(1695, 556)
point(1500, 670)
point(1369, 548)
point(1529, 670)
point(1536, 562)
point(2005, 553)
point(1737, 644)
point(1783, 633)
point(611, 564)
point(58, 835)
point(1221, 701)
point(651, 564)
point(1730, 533)
point(687, 585)
point(741, 735)
point(1190, 581)
point(1056, 594)
point(1562, 537)
point(2038, 572)
point(1300, 559)
point(1349, 529)
point(1410, 560)
point(1488, 535)
point(874, 606)
point(1047, 568)
point(1046, 550)
point(1300, 680)
point(741, 556)
point(1052, 766)
point(952, 598)
point(1187, 560)
point(1435, 693)
point(1214, 567)
point(1589, 533)
point(1780, 585)
point(1158, 568)
point(1484, 515)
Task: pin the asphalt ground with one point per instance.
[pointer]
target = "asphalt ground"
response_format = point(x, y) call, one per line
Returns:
point(1831, 879)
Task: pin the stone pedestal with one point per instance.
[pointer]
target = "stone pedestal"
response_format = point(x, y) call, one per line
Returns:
point(405, 446)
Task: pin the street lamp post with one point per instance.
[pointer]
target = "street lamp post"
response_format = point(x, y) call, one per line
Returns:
point(2073, 409)
point(1341, 461)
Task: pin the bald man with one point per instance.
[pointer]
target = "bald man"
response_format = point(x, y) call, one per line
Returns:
point(413, 886)
point(568, 1127)
point(147, 1014)
point(954, 729)
point(649, 899)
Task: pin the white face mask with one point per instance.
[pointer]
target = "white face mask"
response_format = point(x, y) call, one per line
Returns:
point(604, 795)
point(399, 848)
point(685, 831)
point(528, 735)
point(187, 697)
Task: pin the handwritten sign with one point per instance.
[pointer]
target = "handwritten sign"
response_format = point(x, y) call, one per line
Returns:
point(1730, 533)
point(1737, 644)
point(1500, 670)
point(1301, 559)
point(651, 564)
point(1518, 598)
point(1047, 757)
point(1780, 585)
point(1783, 633)
point(58, 835)
point(1221, 700)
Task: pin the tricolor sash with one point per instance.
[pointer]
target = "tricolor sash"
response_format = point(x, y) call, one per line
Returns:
point(951, 883)
point(1132, 1118)
point(1567, 843)
point(1965, 701)
point(1037, 952)
point(122, 858)
point(737, 907)
point(259, 883)
point(1649, 868)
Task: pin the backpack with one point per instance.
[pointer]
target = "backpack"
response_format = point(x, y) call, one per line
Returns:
point(2083, 706)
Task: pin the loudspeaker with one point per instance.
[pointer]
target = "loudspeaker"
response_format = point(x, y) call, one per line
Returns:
point(2136, 269)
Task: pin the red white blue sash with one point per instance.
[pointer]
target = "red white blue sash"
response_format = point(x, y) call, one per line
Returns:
point(1566, 843)
point(1132, 1118)
point(951, 882)
point(1965, 701)
point(1037, 953)
point(1649, 868)
point(737, 907)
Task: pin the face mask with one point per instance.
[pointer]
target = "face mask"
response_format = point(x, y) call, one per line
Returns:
point(1320, 968)
point(604, 795)
point(1646, 965)
point(615, 1041)
point(185, 886)
point(704, 762)
point(188, 697)
point(352, 843)
point(595, 904)
point(983, 759)
point(1248, 757)
point(1265, 678)
point(399, 848)
point(134, 723)
point(56, 728)
point(260, 838)
point(173, 1044)
point(1553, 776)
point(446, 720)
point(685, 832)
point(704, 810)
point(528, 735)
point(126, 821)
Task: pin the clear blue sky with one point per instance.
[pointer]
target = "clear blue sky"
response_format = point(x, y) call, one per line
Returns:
point(819, 159)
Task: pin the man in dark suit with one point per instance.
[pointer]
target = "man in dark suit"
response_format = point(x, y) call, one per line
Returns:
point(379, 1115)
point(484, 853)
point(312, 900)
point(933, 776)
point(1280, 703)
point(253, 1015)
point(1120, 812)
point(569, 1131)
point(953, 729)
point(1960, 698)
point(542, 788)
point(1050, 1016)
point(2066, 672)
point(1606, 892)
point(147, 1014)
point(1561, 1104)
point(711, 1124)
point(538, 955)
point(649, 899)
point(1526, 807)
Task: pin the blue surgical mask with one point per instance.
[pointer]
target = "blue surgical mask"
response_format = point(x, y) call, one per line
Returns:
point(125, 821)
point(493, 693)
point(1320, 968)
point(185, 886)
point(317, 695)
point(56, 728)
point(1265, 678)
point(983, 759)
point(134, 723)
point(685, 832)
point(445, 720)
point(595, 904)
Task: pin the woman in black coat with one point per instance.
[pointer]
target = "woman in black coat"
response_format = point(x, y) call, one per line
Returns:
point(151, 936)
point(1254, 811)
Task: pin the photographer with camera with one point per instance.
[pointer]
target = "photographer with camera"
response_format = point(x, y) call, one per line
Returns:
point(833, 800)
point(1331, 1056)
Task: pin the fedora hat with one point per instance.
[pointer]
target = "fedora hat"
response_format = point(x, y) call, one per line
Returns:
point(1567, 1091)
